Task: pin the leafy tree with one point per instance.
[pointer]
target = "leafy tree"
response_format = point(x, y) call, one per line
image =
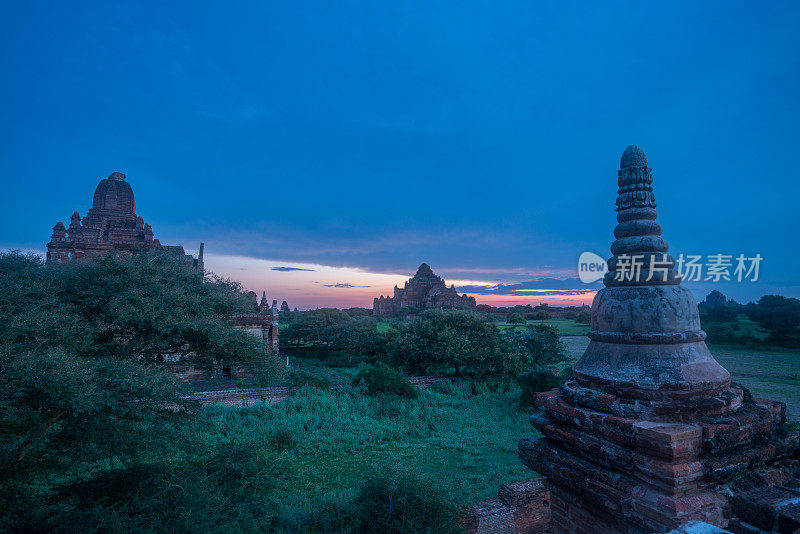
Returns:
point(463, 341)
point(516, 319)
point(143, 307)
point(485, 308)
point(58, 406)
point(583, 317)
point(359, 335)
point(539, 345)
point(780, 316)
point(541, 315)
point(80, 377)
point(359, 312)
point(309, 326)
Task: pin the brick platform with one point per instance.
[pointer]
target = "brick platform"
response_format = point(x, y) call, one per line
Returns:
point(520, 507)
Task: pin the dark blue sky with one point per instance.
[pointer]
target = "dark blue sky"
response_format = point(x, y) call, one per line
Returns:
point(482, 139)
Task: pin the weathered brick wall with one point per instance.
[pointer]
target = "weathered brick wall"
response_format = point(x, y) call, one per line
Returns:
point(520, 507)
point(274, 395)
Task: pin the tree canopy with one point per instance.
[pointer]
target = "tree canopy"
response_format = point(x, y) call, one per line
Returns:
point(780, 316)
point(80, 346)
point(143, 307)
point(462, 341)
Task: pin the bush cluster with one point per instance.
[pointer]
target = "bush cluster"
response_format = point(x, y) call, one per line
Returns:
point(381, 378)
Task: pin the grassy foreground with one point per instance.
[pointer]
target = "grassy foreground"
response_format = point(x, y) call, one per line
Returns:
point(461, 437)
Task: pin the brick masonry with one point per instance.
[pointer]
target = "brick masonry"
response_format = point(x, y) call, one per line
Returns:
point(423, 290)
point(650, 434)
point(111, 225)
point(520, 507)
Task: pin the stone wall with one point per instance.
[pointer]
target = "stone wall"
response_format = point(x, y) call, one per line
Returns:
point(274, 395)
point(520, 507)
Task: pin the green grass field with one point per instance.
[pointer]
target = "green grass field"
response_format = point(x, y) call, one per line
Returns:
point(331, 441)
point(565, 327)
point(772, 373)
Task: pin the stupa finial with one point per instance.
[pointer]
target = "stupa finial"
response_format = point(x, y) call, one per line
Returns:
point(640, 253)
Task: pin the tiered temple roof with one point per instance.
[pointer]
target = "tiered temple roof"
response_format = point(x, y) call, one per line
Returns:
point(111, 225)
point(423, 290)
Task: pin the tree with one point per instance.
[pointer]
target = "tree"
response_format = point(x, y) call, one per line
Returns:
point(516, 319)
point(358, 335)
point(717, 309)
point(541, 315)
point(462, 341)
point(310, 326)
point(780, 316)
point(58, 406)
point(359, 312)
point(143, 307)
point(538, 345)
point(583, 317)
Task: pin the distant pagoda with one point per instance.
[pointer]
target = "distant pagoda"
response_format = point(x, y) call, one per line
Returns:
point(423, 290)
point(111, 225)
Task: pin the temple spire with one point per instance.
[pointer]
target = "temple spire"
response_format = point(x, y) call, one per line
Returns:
point(640, 253)
point(645, 329)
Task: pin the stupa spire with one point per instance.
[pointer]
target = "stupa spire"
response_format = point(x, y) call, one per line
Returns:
point(649, 433)
point(640, 253)
point(645, 328)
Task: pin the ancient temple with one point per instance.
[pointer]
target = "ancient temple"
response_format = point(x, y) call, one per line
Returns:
point(423, 290)
point(650, 433)
point(262, 324)
point(111, 225)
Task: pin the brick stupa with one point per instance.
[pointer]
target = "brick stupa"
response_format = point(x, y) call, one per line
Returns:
point(650, 433)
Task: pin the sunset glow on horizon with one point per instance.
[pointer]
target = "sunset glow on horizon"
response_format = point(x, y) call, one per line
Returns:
point(310, 285)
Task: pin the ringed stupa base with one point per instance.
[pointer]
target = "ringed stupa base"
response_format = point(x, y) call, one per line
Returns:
point(650, 433)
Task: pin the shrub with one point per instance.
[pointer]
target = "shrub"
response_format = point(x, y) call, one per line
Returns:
point(282, 439)
point(403, 505)
point(537, 380)
point(381, 378)
point(729, 333)
point(515, 319)
point(302, 378)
